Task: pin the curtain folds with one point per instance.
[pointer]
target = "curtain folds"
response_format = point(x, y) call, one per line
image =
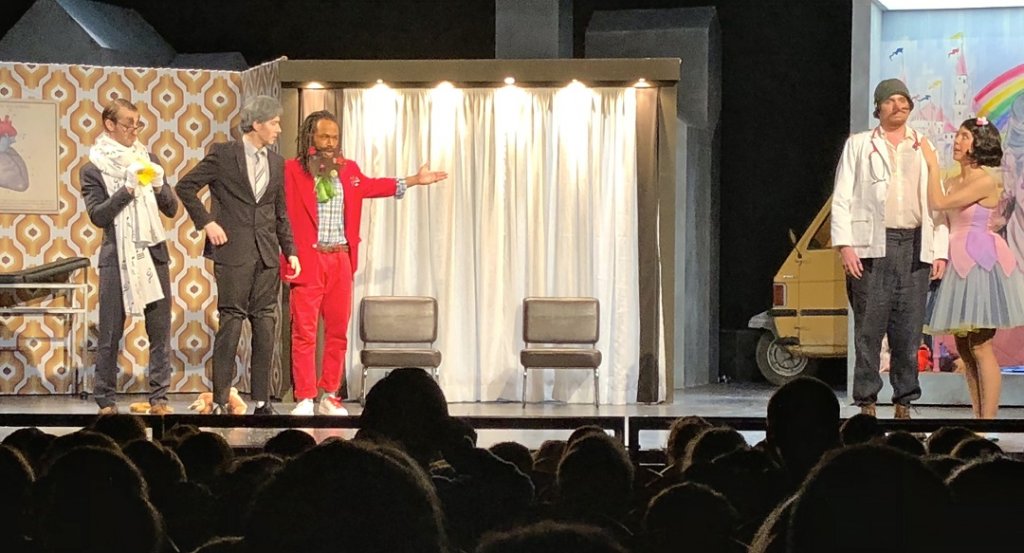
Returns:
point(541, 200)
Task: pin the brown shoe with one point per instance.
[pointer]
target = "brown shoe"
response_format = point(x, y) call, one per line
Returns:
point(868, 409)
point(901, 411)
point(108, 410)
point(161, 409)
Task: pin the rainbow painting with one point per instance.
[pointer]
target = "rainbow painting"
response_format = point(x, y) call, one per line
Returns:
point(995, 100)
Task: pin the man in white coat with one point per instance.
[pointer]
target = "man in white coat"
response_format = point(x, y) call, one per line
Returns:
point(891, 245)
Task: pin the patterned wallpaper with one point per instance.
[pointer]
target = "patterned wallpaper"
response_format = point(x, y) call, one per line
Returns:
point(185, 111)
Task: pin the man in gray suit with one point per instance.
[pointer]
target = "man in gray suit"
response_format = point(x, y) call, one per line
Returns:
point(246, 231)
point(124, 193)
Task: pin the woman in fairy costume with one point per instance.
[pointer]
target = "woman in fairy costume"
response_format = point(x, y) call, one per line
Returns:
point(984, 291)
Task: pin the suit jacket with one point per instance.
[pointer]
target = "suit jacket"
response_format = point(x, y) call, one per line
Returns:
point(858, 203)
point(254, 228)
point(103, 209)
point(302, 208)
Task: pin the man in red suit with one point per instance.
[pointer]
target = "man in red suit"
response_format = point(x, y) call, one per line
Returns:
point(324, 193)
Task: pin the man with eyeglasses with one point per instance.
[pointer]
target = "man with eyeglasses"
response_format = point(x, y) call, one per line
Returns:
point(124, 192)
point(246, 231)
point(890, 244)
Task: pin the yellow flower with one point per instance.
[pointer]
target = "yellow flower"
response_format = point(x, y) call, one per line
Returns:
point(147, 174)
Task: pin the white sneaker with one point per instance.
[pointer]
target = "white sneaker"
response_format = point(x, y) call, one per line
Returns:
point(304, 408)
point(330, 405)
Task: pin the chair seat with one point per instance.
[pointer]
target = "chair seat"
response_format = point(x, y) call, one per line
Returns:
point(399, 357)
point(582, 358)
point(47, 272)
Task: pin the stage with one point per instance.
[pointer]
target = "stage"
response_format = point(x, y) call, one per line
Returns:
point(742, 405)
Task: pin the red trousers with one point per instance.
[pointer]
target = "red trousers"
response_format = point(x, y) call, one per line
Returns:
point(329, 294)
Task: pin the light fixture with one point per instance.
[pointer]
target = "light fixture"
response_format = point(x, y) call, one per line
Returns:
point(380, 81)
point(314, 85)
point(510, 80)
point(642, 83)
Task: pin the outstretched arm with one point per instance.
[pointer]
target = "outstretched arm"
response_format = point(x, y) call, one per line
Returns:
point(386, 187)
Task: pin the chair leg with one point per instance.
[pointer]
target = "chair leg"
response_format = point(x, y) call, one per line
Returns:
point(597, 389)
point(524, 387)
point(362, 388)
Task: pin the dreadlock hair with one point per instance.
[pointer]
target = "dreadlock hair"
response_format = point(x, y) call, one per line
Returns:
point(304, 140)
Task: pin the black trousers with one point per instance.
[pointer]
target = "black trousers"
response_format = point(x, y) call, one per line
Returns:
point(111, 330)
point(246, 291)
point(889, 300)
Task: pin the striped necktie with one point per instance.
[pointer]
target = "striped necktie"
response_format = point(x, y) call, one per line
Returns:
point(260, 184)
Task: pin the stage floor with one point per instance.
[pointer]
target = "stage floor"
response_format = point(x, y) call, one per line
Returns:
point(714, 400)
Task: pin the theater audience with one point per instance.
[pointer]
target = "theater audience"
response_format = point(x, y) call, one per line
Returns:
point(414, 480)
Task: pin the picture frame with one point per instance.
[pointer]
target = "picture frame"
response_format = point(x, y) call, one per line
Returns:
point(29, 148)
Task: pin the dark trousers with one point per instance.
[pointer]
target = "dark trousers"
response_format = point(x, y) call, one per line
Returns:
point(111, 329)
point(245, 292)
point(889, 299)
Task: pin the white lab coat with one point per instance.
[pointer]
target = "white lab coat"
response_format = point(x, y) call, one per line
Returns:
point(858, 202)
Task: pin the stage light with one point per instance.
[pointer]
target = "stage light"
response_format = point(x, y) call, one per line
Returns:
point(445, 96)
point(576, 85)
point(380, 108)
point(314, 85)
point(510, 80)
point(642, 83)
point(573, 109)
point(445, 100)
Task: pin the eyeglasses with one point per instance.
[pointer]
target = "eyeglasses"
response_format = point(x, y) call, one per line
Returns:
point(138, 126)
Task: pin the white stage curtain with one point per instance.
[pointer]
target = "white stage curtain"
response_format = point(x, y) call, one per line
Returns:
point(540, 201)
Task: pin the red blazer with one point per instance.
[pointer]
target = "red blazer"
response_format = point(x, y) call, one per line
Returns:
point(300, 197)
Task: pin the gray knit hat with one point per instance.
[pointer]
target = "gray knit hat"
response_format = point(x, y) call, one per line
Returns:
point(888, 87)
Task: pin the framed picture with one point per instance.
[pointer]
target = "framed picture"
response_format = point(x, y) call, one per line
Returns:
point(28, 156)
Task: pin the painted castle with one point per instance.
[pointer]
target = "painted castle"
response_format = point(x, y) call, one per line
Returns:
point(929, 116)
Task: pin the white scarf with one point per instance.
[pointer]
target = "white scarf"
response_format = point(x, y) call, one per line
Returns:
point(137, 226)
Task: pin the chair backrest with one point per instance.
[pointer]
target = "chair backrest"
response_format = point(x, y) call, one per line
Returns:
point(561, 320)
point(398, 319)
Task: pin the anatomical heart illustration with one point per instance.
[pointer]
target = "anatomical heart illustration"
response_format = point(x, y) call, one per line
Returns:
point(29, 178)
point(13, 171)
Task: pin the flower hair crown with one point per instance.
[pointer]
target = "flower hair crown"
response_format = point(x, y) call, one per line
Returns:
point(981, 121)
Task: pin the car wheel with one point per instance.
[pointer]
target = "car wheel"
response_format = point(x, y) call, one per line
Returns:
point(778, 363)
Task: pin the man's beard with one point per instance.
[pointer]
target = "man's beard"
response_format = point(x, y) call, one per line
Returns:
point(323, 162)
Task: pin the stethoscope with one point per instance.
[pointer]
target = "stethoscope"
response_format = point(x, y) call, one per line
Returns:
point(874, 155)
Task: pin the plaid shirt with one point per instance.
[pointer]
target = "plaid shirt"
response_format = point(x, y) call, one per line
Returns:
point(331, 229)
point(331, 214)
